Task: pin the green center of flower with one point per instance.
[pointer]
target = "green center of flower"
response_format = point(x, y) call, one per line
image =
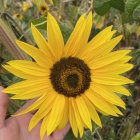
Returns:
point(70, 76)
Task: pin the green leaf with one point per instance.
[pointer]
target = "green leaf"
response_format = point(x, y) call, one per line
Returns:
point(131, 13)
point(99, 3)
point(40, 23)
point(71, 10)
point(118, 4)
point(131, 5)
point(136, 13)
point(66, 28)
point(103, 8)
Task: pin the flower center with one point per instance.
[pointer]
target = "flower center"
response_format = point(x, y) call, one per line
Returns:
point(70, 76)
point(72, 80)
point(43, 8)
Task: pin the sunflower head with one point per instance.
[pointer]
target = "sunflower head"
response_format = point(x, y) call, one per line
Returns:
point(18, 16)
point(71, 82)
point(42, 7)
point(73, 76)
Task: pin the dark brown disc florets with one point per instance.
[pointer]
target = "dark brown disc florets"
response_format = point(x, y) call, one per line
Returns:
point(70, 76)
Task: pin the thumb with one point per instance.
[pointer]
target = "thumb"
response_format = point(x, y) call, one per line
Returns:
point(3, 107)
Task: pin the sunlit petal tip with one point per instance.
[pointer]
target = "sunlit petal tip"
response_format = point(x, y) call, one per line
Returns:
point(131, 81)
point(120, 113)
point(89, 15)
point(18, 42)
point(100, 125)
point(30, 127)
point(119, 37)
point(5, 67)
point(129, 94)
point(129, 51)
point(14, 115)
point(124, 107)
point(90, 128)
point(114, 31)
point(5, 90)
point(41, 137)
point(109, 27)
point(32, 27)
point(17, 114)
point(49, 16)
point(14, 97)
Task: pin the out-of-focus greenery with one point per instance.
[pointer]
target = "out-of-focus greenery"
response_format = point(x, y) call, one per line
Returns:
point(124, 15)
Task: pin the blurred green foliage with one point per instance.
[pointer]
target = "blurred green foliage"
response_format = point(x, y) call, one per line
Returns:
point(124, 15)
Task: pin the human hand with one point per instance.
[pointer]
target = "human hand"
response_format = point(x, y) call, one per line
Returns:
point(15, 128)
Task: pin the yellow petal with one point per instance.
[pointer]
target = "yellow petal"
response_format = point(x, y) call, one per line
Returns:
point(102, 50)
point(65, 117)
point(94, 115)
point(35, 53)
point(29, 67)
point(101, 37)
point(55, 38)
point(18, 73)
point(26, 85)
point(107, 59)
point(110, 79)
point(107, 94)
point(44, 109)
point(83, 110)
point(78, 118)
point(73, 35)
point(114, 68)
point(125, 59)
point(119, 89)
point(100, 103)
point(30, 94)
point(79, 36)
point(55, 115)
point(72, 119)
point(36, 87)
point(43, 128)
point(74, 42)
point(42, 43)
point(32, 107)
point(116, 109)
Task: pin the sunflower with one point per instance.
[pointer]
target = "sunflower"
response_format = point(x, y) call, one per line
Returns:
point(71, 82)
point(43, 7)
point(18, 16)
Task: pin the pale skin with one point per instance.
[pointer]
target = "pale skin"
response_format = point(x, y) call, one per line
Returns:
point(15, 128)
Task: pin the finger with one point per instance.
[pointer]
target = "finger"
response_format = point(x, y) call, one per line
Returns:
point(59, 135)
point(3, 107)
